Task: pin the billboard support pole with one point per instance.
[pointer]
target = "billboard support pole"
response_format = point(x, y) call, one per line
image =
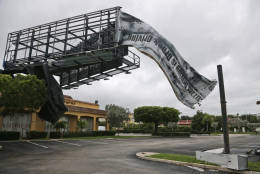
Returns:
point(223, 109)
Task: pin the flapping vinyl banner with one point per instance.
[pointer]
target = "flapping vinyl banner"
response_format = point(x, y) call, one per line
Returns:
point(189, 86)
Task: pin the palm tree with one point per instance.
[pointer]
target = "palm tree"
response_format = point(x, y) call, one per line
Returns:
point(208, 120)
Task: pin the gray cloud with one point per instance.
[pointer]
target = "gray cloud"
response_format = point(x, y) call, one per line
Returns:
point(206, 33)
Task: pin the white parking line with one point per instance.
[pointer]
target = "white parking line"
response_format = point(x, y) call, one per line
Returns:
point(95, 142)
point(114, 139)
point(66, 143)
point(37, 144)
point(196, 168)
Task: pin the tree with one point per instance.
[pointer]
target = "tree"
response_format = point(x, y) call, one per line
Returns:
point(207, 121)
point(196, 123)
point(250, 118)
point(21, 92)
point(202, 121)
point(61, 125)
point(215, 125)
point(156, 115)
point(82, 124)
point(185, 117)
point(219, 120)
point(170, 114)
point(116, 115)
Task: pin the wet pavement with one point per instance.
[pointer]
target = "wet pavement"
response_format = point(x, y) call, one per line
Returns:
point(110, 156)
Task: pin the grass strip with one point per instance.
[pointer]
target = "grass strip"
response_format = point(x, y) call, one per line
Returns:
point(254, 166)
point(249, 133)
point(179, 157)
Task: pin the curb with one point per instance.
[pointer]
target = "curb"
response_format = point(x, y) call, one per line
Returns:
point(145, 156)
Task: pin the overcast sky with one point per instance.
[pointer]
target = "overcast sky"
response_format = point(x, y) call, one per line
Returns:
point(206, 33)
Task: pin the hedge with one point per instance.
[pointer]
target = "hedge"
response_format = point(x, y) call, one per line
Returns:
point(36, 135)
point(81, 134)
point(172, 134)
point(55, 134)
point(160, 129)
point(199, 132)
point(9, 135)
point(135, 131)
point(177, 129)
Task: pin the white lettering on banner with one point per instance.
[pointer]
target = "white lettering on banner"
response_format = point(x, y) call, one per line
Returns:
point(139, 37)
point(164, 49)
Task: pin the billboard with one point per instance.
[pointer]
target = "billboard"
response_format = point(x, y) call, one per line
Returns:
point(189, 86)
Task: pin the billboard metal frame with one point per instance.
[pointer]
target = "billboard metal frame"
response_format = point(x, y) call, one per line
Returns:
point(85, 36)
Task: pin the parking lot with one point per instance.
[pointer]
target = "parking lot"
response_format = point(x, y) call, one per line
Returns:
point(109, 155)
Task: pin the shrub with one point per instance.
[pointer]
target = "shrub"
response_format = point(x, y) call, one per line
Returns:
point(199, 132)
point(72, 134)
point(55, 134)
point(183, 129)
point(172, 134)
point(177, 129)
point(88, 134)
point(61, 125)
point(103, 133)
point(36, 134)
point(108, 133)
point(135, 131)
point(9, 135)
point(166, 129)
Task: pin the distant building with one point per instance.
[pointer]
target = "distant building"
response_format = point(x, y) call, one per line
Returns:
point(77, 110)
point(184, 122)
point(131, 118)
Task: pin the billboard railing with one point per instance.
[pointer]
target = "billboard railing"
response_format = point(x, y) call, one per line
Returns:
point(101, 70)
point(64, 37)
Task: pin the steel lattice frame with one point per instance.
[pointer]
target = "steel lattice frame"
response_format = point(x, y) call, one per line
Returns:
point(72, 47)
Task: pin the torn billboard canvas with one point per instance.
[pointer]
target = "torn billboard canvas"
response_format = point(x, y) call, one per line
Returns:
point(189, 86)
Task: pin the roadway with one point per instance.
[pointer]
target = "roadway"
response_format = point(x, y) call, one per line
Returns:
point(109, 156)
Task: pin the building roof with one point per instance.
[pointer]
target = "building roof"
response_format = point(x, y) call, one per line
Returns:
point(85, 110)
point(67, 97)
point(184, 122)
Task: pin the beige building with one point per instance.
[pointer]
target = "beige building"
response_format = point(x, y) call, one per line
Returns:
point(77, 110)
point(131, 119)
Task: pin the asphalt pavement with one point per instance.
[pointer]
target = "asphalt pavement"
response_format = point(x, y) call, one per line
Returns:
point(109, 156)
